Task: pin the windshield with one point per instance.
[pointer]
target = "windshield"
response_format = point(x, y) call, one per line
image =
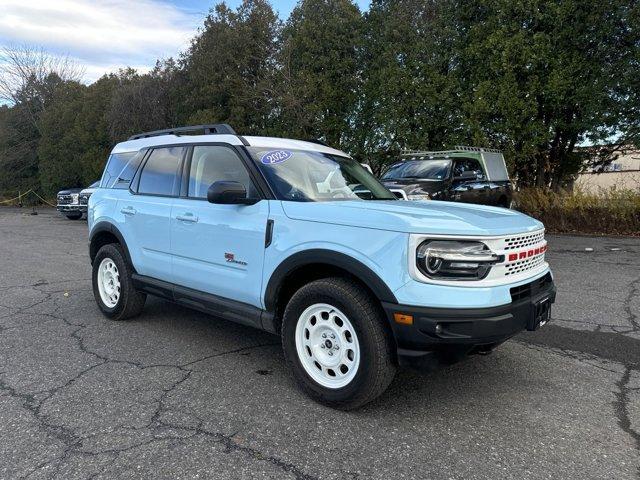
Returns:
point(308, 176)
point(423, 169)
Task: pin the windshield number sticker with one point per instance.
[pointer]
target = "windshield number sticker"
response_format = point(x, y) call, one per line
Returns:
point(276, 156)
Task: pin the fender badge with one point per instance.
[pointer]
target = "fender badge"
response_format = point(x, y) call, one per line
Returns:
point(231, 258)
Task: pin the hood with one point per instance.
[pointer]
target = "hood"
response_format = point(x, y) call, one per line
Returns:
point(428, 217)
point(87, 191)
point(69, 191)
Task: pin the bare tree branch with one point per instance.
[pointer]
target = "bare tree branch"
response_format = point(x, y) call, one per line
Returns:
point(24, 65)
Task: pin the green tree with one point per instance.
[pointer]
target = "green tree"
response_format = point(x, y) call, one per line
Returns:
point(75, 140)
point(227, 73)
point(18, 145)
point(541, 77)
point(318, 77)
point(58, 148)
point(411, 85)
point(141, 103)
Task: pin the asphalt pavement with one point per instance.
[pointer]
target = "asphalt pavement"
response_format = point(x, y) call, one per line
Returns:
point(179, 394)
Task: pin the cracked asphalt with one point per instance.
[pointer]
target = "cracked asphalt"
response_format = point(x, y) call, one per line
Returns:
point(179, 394)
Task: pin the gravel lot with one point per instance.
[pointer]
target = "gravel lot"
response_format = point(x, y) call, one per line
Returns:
point(178, 394)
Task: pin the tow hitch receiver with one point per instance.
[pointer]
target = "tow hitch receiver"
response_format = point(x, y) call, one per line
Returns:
point(541, 314)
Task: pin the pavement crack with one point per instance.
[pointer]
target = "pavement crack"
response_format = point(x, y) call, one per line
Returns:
point(621, 406)
point(228, 352)
point(634, 291)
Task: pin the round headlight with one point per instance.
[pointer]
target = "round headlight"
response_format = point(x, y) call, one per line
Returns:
point(455, 260)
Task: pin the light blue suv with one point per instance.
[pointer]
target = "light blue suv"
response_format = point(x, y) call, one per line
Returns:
point(298, 239)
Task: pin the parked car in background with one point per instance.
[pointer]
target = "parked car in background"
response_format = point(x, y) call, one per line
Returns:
point(73, 202)
point(465, 174)
point(272, 233)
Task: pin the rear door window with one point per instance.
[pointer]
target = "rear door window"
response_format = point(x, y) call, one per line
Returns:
point(159, 175)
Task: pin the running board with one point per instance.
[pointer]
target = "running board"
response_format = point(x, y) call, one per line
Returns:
point(228, 309)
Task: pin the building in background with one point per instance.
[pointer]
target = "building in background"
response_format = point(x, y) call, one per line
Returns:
point(623, 173)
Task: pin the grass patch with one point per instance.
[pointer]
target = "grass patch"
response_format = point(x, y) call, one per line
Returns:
point(611, 212)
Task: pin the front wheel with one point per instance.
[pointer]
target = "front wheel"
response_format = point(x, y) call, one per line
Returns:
point(335, 341)
point(74, 216)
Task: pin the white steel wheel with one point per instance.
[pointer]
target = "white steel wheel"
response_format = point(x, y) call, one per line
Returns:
point(109, 283)
point(327, 346)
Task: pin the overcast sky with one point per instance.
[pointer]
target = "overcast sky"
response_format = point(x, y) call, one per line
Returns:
point(105, 35)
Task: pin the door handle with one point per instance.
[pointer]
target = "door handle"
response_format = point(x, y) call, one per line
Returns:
point(187, 217)
point(128, 211)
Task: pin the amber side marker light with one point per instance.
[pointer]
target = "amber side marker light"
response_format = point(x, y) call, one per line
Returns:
point(403, 318)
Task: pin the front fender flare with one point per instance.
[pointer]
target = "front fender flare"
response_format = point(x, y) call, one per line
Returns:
point(328, 257)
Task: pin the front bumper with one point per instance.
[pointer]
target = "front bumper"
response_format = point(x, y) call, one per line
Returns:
point(462, 330)
point(71, 208)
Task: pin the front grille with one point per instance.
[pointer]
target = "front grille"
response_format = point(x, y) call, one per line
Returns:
point(84, 199)
point(521, 241)
point(527, 252)
point(65, 200)
point(523, 265)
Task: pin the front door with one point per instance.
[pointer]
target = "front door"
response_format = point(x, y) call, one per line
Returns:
point(474, 190)
point(218, 249)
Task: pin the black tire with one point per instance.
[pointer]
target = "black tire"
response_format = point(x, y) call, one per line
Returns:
point(74, 216)
point(377, 365)
point(131, 301)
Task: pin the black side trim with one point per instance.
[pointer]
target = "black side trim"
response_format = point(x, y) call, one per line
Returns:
point(235, 311)
point(268, 236)
point(329, 257)
point(110, 228)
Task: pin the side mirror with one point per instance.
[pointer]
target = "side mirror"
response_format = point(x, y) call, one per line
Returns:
point(229, 193)
point(465, 176)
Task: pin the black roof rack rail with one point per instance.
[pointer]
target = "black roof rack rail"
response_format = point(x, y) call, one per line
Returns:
point(216, 128)
point(317, 141)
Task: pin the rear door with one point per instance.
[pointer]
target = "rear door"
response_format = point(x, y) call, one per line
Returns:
point(498, 177)
point(218, 249)
point(146, 212)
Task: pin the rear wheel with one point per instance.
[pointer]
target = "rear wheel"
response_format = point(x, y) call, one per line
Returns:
point(335, 342)
point(74, 216)
point(113, 286)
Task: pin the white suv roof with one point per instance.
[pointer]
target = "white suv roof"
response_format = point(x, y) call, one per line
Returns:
point(266, 142)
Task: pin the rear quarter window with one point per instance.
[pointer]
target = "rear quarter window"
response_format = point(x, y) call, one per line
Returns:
point(120, 169)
